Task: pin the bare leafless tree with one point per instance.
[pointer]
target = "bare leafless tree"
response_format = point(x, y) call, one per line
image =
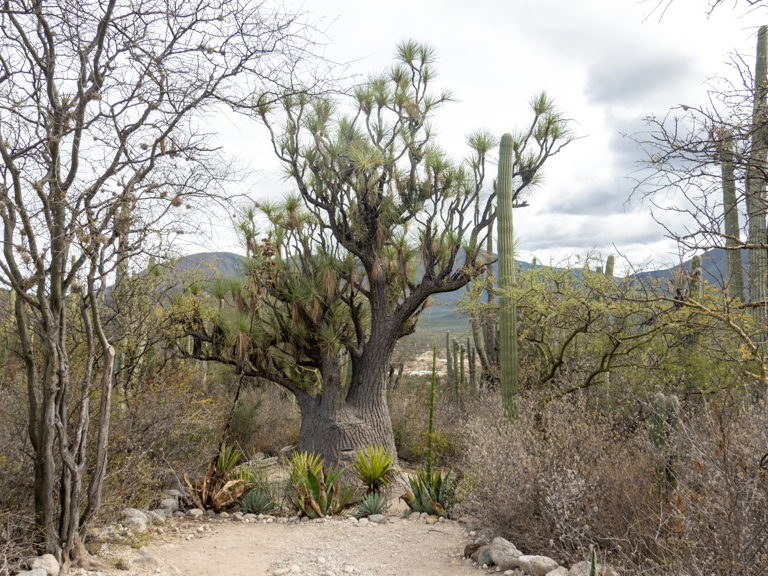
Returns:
point(101, 150)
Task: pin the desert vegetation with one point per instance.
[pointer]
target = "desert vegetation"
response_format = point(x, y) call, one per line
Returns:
point(581, 413)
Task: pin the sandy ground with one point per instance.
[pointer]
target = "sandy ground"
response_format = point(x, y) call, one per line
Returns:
point(334, 547)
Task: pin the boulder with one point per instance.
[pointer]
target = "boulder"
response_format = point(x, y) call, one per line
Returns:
point(484, 557)
point(504, 554)
point(559, 571)
point(46, 562)
point(156, 516)
point(536, 565)
point(135, 520)
point(170, 505)
point(471, 548)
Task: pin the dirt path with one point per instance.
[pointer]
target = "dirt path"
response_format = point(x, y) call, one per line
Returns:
point(319, 548)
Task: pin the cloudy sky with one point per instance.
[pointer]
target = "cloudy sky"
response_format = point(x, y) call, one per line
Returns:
point(607, 64)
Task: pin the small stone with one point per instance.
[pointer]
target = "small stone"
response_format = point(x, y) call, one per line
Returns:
point(33, 572)
point(559, 571)
point(305, 519)
point(46, 562)
point(223, 515)
point(281, 571)
point(123, 564)
point(470, 549)
point(195, 513)
point(172, 493)
point(363, 522)
point(237, 516)
point(348, 569)
point(377, 518)
point(431, 519)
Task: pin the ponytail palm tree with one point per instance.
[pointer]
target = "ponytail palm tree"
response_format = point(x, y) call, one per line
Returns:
point(382, 219)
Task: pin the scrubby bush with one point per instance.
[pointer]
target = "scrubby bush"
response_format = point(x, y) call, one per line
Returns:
point(572, 476)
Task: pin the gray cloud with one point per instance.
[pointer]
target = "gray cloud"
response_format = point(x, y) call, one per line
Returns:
point(599, 233)
point(629, 75)
point(600, 200)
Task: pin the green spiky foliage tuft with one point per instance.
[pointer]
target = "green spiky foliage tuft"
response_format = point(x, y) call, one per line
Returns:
point(508, 357)
point(316, 490)
point(375, 467)
point(257, 501)
point(431, 492)
point(373, 503)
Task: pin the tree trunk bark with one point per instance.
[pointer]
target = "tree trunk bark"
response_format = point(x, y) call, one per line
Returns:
point(337, 423)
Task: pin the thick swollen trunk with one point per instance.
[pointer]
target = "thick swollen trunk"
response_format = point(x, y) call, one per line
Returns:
point(338, 423)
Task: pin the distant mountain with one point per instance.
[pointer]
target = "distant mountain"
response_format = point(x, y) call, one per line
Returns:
point(714, 268)
point(208, 265)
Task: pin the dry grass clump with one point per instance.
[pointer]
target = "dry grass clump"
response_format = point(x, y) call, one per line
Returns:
point(574, 477)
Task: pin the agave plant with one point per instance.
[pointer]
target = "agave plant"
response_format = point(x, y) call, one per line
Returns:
point(220, 486)
point(431, 492)
point(257, 501)
point(316, 491)
point(373, 503)
point(375, 467)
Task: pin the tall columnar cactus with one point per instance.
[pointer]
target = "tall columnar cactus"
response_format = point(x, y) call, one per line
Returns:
point(430, 428)
point(665, 421)
point(756, 179)
point(694, 286)
point(731, 213)
point(472, 367)
point(448, 360)
point(609, 264)
point(507, 308)
point(489, 322)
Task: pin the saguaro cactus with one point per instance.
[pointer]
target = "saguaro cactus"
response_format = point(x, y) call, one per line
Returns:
point(694, 286)
point(731, 213)
point(507, 308)
point(756, 180)
point(609, 264)
point(665, 420)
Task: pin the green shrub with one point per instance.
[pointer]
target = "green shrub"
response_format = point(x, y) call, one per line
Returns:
point(257, 501)
point(375, 467)
point(431, 492)
point(316, 492)
point(373, 503)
